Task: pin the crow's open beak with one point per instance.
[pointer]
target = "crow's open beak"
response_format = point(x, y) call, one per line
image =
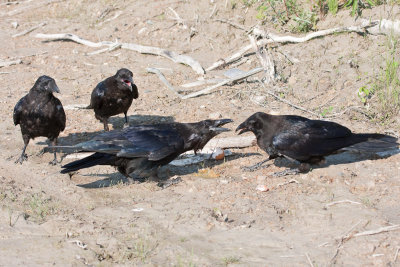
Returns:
point(218, 123)
point(243, 128)
point(129, 82)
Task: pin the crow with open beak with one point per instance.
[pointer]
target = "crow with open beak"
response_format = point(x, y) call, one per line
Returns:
point(113, 96)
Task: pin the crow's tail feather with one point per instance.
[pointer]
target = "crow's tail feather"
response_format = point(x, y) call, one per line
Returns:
point(90, 161)
point(358, 138)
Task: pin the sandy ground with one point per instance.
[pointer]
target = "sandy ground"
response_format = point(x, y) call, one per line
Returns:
point(215, 216)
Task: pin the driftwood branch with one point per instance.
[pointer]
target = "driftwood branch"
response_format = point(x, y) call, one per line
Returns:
point(183, 59)
point(31, 7)
point(270, 38)
point(384, 26)
point(201, 82)
point(29, 30)
point(379, 230)
point(340, 202)
point(232, 142)
point(9, 63)
point(164, 80)
point(288, 102)
point(265, 59)
point(234, 79)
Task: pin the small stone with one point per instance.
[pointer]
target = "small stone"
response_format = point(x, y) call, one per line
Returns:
point(142, 30)
point(14, 24)
point(262, 188)
point(260, 99)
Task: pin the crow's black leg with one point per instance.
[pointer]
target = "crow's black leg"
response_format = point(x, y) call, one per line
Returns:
point(256, 166)
point(54, 143)
point(23, 155)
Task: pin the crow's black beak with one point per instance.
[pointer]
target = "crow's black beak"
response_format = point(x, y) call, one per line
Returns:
point(218, 123)
point(243, 128)
point(55, 88)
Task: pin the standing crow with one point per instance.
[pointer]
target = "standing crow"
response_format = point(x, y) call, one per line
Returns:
point(39, 113)
point(307, 141)
point(138, 151)
point(113, 96)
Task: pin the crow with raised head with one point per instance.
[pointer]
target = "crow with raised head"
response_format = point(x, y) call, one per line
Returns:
point(307, 141)
point(113, 96)
point(40, 113)
point(138, 151)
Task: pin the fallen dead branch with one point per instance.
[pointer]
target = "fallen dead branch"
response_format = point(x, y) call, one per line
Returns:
point(201, 82)
point(288, 182)
point(309, 260)
point(183, 59)
point(265, 58)
point(108, 49)
point(234, 79)
point(288, 102)
point(9, 63)
point(270, 38)
point(340, 202)
point(378, 231)
point(232, 24)
point(164, 80)
point(341, 242)
point(29, 30)
point(384, 26)
point(32, 7)
point(396, 254)
point(365, 233)
point(232, 142)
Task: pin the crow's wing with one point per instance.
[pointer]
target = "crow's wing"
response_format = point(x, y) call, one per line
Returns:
point(59, 113)
point(97, 97)
point(133, 142)
point(311, 138)
point(18, 110)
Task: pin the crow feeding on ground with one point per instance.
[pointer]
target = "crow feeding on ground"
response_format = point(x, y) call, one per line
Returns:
point(307, 141)
point(138, 151)
point(113, 96)
point(39, 113)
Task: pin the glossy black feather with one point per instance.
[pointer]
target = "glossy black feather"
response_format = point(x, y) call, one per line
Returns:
point(138, 151)
point(300, 138)
point(113, 96)
point(40, 113)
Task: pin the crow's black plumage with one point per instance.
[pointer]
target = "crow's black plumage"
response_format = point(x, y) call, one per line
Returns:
point(113, 96)
point(138, 151)
point(307, 141)
point(39, 113)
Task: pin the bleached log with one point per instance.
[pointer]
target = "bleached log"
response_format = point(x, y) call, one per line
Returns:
point(232, 142)
point(9, 63)
point(29, 30)
point(269, 38)
point(234, 79)
point(183, 59)
point(164, 80)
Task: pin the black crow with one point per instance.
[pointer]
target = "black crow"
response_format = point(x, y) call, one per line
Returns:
point(307, 141)
point(39, 113)
point(138, 151)
point(113, 96)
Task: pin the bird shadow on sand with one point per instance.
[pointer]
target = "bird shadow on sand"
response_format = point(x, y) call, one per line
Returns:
point(164, 173)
